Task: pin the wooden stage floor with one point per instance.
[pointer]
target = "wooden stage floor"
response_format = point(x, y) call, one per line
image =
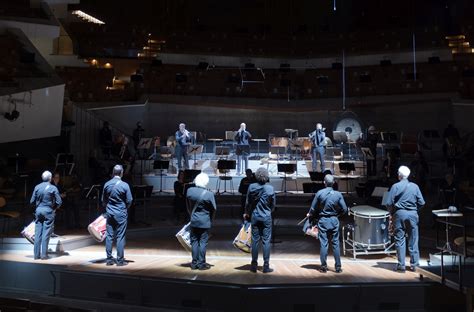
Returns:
point(295, 260)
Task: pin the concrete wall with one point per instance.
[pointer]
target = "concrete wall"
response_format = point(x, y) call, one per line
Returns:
point(321, 62)
point(405, 114)
point(40, 114)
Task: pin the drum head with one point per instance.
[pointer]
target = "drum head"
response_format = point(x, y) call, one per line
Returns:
point(368, 211)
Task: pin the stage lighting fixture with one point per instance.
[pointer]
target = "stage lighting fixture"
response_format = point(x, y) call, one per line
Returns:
point(12, 116)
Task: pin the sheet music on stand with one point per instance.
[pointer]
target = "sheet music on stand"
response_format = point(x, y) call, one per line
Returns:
point(379, 191)
point(144, 143)
point(367, 153)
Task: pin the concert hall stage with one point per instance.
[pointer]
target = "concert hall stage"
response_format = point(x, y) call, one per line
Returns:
point(159, 275)
point(294, 181)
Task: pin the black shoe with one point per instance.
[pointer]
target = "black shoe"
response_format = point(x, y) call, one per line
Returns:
point(338, 270)
point(45, 258)
point(205, 267)
point(413, 268)
point(110, 262)
point(267, 270)
point(323, 269)
point(253, 268)
point(194, 267)
point(400, 269)
point(123, 263)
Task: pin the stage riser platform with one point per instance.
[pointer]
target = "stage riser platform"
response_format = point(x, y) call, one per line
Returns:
point(220, 297)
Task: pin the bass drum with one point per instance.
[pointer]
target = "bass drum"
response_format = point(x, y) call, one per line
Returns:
point(371, 227)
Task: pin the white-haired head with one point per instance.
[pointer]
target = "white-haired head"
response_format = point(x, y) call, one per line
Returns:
point(117, 171)
point(403, 172)
point(201, 180)
point(319, 126)
point(243, 126)
point(182, 126)
point(46, 176)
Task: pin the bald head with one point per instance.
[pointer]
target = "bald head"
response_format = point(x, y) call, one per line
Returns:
point(117, 171)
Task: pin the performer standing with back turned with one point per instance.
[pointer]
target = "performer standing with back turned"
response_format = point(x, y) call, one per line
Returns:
point(242, 137)
point(404, 201)
point(116, 198)
point(318, 140)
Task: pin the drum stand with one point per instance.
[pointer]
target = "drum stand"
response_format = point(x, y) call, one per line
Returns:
point(355, 248)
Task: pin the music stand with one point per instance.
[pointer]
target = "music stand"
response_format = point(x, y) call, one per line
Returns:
point(141, 193)
point(190, 175)
point(287, 168)
point(277, 150)
point(16, 161)
point(346, 168)
point(312, 187)
point(161, 165)
point(222, 151)
point(92, 193)
point(230, 135)
point(144, 145)
point(225, 166)
point(194, 150)
point(316, 176)
point(367, 154)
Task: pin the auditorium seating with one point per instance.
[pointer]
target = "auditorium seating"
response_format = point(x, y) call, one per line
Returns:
point(15, 62)
point(302, 84)
point(87, 84)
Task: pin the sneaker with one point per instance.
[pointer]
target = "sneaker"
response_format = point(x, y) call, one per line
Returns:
point(253, 268)
point(413, 268)
point(323, 269)
point(400, 269)
point(267, 270)
point(194, 267)
point(338, 270)
point(205, 266)
point(123, 263)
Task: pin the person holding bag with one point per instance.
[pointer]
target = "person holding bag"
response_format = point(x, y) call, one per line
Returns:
point(117, 199)
point(259, 206)
point(46, 199)
point(202, 208)
point(327, 205)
